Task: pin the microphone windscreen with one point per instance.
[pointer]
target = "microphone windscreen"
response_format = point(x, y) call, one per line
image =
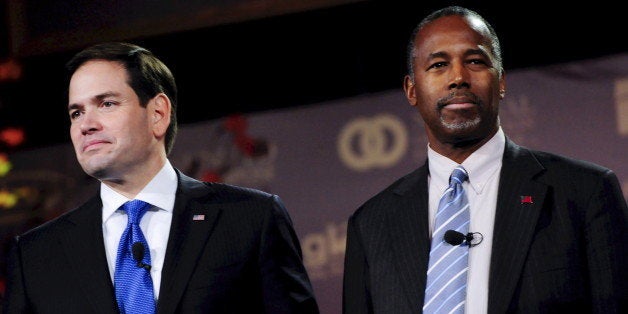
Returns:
point(138, 251)
point(453, 237)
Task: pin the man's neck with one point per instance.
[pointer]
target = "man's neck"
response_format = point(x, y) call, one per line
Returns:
point(131, 183)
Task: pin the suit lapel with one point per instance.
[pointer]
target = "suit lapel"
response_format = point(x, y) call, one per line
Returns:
point(411, 248)
point(192, 222)
point(519, 203)
point(84, 246)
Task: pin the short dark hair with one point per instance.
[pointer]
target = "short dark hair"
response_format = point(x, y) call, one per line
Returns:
point(148, 76)
point(448, 11)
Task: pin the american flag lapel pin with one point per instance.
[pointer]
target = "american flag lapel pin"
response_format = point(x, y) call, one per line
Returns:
point(526, 199)
point(198, 217)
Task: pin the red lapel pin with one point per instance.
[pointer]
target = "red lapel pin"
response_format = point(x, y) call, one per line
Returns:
point(526, 199)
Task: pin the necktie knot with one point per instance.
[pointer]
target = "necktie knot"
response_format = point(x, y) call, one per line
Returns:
point(458, 176)
point(135, 209)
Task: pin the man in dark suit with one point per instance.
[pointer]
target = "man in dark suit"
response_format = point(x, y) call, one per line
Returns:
point(547, 234)
point(213, 248)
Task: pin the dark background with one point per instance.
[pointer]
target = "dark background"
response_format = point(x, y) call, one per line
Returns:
point(302, 58)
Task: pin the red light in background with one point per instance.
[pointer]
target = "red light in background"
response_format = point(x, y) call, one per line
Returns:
point(10, 70)
point(12, 136)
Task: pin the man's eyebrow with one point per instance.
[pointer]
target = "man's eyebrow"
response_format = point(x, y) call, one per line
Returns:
point(98, 98)
point(481, 52)
point(73, 106)
point(438, 54)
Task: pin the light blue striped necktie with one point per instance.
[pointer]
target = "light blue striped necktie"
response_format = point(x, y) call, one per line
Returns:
point(133, 284)
point(445, 291)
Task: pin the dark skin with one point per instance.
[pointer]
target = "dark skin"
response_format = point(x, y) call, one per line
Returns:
point(456, 86)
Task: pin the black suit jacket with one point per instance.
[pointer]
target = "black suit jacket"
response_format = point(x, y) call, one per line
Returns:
point(243, 257)
point(567, 250)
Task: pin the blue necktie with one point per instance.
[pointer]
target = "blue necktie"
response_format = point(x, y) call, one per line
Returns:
point(134, 286)
point(445, 291)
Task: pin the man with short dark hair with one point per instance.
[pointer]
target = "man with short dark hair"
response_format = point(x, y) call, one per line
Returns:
point(153, 240)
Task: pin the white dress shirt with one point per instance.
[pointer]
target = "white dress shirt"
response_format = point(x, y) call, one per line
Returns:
point(483, 167)
point(155, 224)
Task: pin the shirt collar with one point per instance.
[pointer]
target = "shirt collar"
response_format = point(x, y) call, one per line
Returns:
point(481, 165)
point(159, 192)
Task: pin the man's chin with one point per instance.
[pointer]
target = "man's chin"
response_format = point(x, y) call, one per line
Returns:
point(95, 169)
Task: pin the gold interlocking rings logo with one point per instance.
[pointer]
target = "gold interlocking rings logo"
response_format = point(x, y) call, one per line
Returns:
point(376, 142)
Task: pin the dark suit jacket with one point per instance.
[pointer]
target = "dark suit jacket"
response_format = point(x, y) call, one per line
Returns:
point(567, 250)
point(243, 257)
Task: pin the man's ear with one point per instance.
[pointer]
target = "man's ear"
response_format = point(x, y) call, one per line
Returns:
point(160, 108)
point(408, 87)
point(502, 86)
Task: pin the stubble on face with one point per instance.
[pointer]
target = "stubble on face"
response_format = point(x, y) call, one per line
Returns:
point(460, 121)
